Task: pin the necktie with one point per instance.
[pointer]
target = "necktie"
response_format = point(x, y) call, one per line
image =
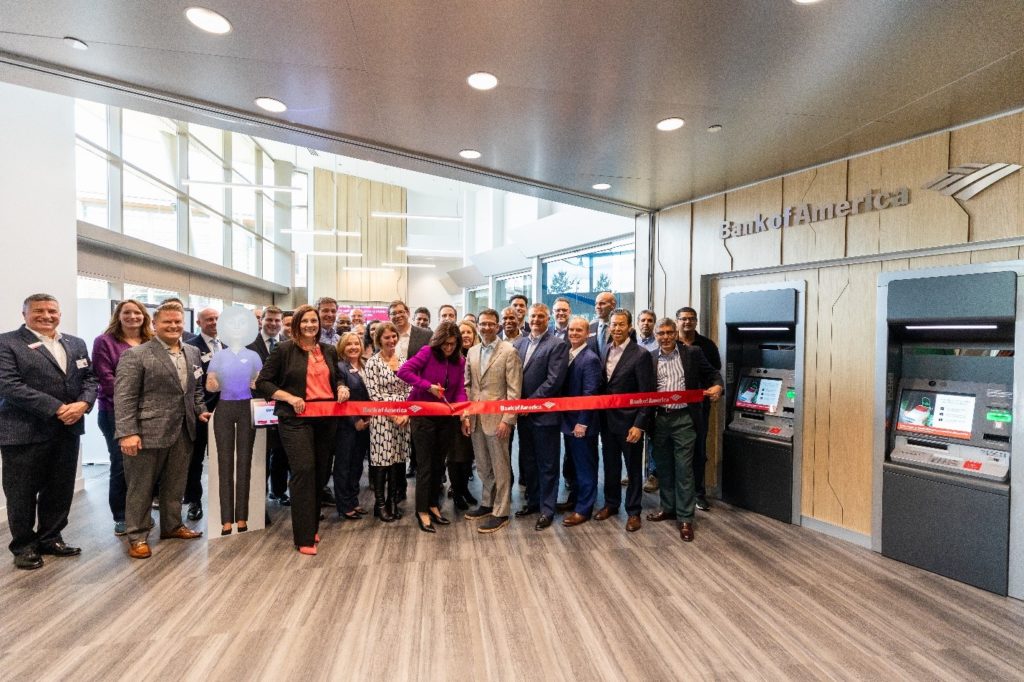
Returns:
point(272, 344)
point(601, 340)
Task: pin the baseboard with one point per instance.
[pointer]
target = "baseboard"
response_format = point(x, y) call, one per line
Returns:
point(845, 534)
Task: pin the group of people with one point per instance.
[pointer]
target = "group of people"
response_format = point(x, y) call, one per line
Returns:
point(156, 387)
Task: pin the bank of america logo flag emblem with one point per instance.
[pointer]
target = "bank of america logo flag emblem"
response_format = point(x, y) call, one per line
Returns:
point(968, 180)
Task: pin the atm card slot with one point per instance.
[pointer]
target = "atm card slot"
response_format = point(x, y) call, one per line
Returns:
point(758, 417)
point(997, 438)
point(927, 444)
point(790, 410)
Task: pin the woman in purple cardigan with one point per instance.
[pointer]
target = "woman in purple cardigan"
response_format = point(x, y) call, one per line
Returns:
point(129, 326)
point(436, 373)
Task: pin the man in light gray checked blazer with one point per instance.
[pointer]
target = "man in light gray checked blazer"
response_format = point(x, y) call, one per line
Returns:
point(46, 386)
point(158, 396)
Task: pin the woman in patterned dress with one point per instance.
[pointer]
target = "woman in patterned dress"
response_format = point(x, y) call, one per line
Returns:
point(389, 436)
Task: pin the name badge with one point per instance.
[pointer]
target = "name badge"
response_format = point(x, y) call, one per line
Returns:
point(243, 360)
point(593, 333)
point(35, 345)
point(82, 363)
point(205, 357)
point(198, 373)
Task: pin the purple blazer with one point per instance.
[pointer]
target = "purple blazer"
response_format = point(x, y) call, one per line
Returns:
point(423, 370)
point(106, 352)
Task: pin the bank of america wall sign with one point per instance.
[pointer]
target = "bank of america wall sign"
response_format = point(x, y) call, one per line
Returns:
point(967, 181)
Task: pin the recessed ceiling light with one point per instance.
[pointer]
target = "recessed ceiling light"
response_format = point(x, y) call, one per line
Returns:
point(470, 154)
point(272, 105)
point(75, 43)
point(481, 80)
point(410, 265)
point(673, 123)
point(601, 186)
point(208, 20)
point(806, 2)
point(716, 128)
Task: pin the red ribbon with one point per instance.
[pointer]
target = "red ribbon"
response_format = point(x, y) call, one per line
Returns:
point(422, 408)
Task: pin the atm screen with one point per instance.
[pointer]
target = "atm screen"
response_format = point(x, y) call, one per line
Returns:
point(759, 393)
point(948, 415)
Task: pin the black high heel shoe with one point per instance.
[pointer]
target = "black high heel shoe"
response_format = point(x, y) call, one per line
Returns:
point(425, 527)
point(439, 518)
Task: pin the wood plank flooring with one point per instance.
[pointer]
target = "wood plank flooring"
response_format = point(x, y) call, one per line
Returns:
point(749, 599)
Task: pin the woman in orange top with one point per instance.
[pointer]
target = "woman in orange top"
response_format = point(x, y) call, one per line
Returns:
point(302, 370)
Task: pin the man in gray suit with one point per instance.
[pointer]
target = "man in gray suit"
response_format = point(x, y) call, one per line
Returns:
point(46, 386)
point(158, 396)
point(493, 372)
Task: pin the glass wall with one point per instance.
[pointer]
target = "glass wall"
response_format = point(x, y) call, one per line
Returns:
point(180, 187)
point(477, 300)
point(506, 286)
point(148, 294)
point(581, 276)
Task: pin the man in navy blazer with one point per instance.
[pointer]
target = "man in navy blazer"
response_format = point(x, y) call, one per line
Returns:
point(545, 361)
point(627, 369)
point(46, 387)
point(208, 344)
point(580, 427)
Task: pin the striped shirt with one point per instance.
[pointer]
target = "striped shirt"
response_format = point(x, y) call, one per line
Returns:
point(670, 374)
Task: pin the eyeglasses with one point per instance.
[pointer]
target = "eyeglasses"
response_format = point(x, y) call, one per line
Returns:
point(686, 319)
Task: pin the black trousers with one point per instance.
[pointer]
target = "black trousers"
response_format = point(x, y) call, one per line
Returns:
point(309, 443)
point(194, 482)
point(277, 463)
point(350, 450)
point(39, 482)
point(700, 446)
point(234, 434)
point(434, 438)
point(118, 489)
point(614, 448)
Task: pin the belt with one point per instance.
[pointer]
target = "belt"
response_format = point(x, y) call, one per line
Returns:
point(669, 410)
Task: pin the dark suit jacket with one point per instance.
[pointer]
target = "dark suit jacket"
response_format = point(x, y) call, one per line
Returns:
point(698, 373)
point(148, 399)
point(356, 387)
point(592, 338)
point(418, 337)
point(285, 370)
point(211, 399)
point(544, 375)
point(582, 378)
point(32, 387)
point(634, 373)
point(260, 347)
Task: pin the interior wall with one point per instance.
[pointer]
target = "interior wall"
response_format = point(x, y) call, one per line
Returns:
point(37, 192)
point(344, 203)
point(840, 303)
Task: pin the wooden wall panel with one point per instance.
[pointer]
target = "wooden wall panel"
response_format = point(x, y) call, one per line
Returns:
point(843, 386)
point(672, 266)
point(930, 219)
point(864, 174)
point(323, 269)
point(809, 400)
point(994, 255)
point(997, 212)
point(709, 254)
point(940, 261)
point(817, 241)
point(764, 248)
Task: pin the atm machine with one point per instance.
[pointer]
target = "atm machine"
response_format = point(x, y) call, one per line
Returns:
point(762, 336)
point(949, 419)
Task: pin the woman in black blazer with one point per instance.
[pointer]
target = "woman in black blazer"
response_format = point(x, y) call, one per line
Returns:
point(353, 443)
point(303, 369)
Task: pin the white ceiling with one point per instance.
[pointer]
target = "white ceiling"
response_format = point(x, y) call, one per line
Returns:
point(582, 82)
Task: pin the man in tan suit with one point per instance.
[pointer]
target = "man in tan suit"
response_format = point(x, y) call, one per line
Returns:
point(493, 372)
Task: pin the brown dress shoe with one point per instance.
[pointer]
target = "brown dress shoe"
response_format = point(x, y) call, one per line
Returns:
point(573, 519)
point(661, 515)
point(139, 550)
point(181, 533)
point(633, 524)
point(604, 512)
point(686, 531)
